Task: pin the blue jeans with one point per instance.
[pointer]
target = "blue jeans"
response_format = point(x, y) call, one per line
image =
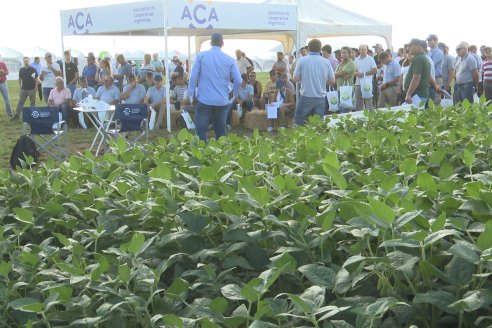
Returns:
point(308, 106)
point(4, 90)
point(463, 91)
point(46, 94)
point(203, 115)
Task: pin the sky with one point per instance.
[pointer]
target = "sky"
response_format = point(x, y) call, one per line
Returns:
point(35, 23)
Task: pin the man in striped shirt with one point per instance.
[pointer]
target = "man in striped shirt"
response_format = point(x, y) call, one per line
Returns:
point(487, 73)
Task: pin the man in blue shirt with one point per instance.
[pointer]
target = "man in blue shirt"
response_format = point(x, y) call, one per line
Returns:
point(211, 74)
point(437, 57)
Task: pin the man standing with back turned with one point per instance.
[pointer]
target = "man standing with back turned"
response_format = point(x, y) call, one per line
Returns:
point(314, 72)
point(211, 73)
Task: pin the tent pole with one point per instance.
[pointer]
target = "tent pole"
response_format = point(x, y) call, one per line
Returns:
point(166, 60)
point(63, 61)
point(189, 54)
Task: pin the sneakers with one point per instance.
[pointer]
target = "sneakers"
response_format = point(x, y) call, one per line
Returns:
point(270, 129)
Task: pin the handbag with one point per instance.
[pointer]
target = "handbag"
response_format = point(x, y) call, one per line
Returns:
point(332, 98)
point(346, 96)
point(366, 86)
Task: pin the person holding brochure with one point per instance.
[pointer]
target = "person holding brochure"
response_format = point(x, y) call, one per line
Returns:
point(417, 80)
point(285, 103)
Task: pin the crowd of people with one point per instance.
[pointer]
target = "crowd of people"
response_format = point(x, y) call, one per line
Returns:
point(370, 78)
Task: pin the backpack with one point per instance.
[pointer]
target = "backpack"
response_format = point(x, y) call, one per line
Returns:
point(24, 147)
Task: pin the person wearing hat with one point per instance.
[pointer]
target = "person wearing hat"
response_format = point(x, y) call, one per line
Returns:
point(437, 57)
point(418, 76)
point(487, 74)
point(211, 74)
point(48, 74)
point(149, 80)
point(466, 79)
point(447, 67)
point(244, 97)
point(90, 70)
point(133, 92)
point(156, 98)
point(172, 65)
point(285, 98)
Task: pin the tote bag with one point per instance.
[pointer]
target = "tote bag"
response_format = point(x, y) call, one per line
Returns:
point(346, 96)
point(366, 86)
point(332, 98)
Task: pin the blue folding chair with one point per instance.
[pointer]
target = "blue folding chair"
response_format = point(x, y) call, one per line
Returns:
point(47, 130)
point(129, 118)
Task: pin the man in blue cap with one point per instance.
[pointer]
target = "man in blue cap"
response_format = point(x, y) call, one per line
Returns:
point(210, 76)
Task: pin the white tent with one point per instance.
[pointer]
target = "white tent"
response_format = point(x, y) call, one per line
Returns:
point(13, 60)
point(316, 19)
point(180, 18)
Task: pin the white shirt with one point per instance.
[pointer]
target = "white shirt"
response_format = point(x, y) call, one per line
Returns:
point(242, 64)
point(364, 65)
point(49, 76)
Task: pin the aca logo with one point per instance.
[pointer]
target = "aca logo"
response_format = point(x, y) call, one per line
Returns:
point(334, 100)
point(80, 22)
point(199, 15)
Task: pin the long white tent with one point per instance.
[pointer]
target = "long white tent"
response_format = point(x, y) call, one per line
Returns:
point(179, 18)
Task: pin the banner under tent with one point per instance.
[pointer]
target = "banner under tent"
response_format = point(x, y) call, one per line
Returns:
point(180, 18)
point(317, 19)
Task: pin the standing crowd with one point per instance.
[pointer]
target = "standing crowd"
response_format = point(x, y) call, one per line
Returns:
point(361, 78)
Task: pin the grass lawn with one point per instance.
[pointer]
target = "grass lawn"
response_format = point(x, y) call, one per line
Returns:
point(79, 139)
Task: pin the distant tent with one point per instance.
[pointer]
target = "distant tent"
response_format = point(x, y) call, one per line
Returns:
point(13, 60)
point(32, 52)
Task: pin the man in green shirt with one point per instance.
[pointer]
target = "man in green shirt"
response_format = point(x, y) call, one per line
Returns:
point(417, 80)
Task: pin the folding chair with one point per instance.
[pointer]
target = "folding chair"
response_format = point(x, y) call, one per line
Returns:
point(128, 118)
point(47, 130)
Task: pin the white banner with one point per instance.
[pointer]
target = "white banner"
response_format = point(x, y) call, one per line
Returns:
point(126, 17)
point(182, 14)
point(230, 15)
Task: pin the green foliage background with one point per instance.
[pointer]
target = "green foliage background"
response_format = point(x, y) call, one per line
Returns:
point(380, 222)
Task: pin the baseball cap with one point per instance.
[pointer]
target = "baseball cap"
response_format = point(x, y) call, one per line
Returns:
point(415, 42)
point(377, 46)
point(91, 55)
point(158, 78)
point(150, 74)
point(431, 37)
point(279, 84)
point(175, 58)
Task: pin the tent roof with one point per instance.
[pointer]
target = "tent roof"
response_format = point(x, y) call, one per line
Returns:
point(10, 53)
point(320, 18)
